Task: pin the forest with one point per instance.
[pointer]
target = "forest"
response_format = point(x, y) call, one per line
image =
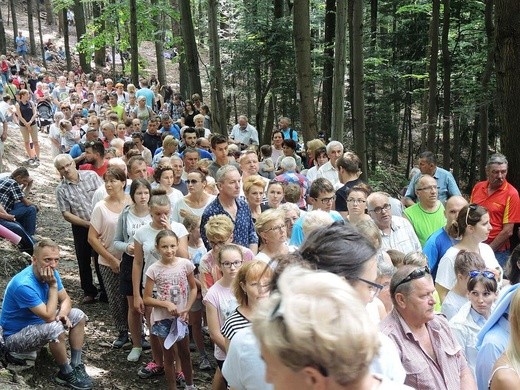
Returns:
point(387, 78)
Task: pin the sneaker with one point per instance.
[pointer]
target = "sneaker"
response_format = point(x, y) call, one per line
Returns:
point(181, 381)
point(145, 344)
point(151, 370)
point(121, 340)
point(134, 354)
point(82, 374)
point(205, 364)
point(72, 380)
point(36, 161)
point(190, 387)
point(30, 161)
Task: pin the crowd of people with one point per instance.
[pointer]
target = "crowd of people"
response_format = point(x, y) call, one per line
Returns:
point(300, 272)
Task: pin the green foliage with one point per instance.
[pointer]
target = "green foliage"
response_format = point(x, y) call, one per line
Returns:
point(388, 178)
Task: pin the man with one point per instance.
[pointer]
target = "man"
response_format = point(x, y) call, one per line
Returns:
point(21, 45)
point(219, 147)
point(440, 241)
point(189, 137)
point(190, 158)
point(114, 106)
point(146, 92)
point(60, 92)
point(137, 168)
point(77, 152)
point(501, 200)
point(321, 197)
point(137, 138)
point(427, 215)
point(109, 133)
point(151, 138)
point(284, 124)
point(243, 134)
point(74, 200)
point(329, 170)
point(290, 175)
point(445, 180)
point(430, 354)
point(203, 144)
point(202, 132)
point(14, 201)
point(178, 169)
point(167, 126)
point(249, 164)
point(229, 203)
point(95, 158)
point(37, 311)
point(396, 232)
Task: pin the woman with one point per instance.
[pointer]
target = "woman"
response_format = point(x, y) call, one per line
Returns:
point(349, 172)
point(481, 289)
point(132, 218)
point(101, 234)
point(270, 227)
point(314, 333)
point(143, 113)
point(250, 286)
point(312, 146)
point(254, 189)
point(164, 176)
point(289, 150)
point(27, 114)
point(356, 205)
point(320, 157)
point(197, 199)
point(169, 148)
point(277, 145)
point(204, 110)
point(506, 371)
point(188, 114)
point(473, 226)
point(291, 215)
point(275, 194)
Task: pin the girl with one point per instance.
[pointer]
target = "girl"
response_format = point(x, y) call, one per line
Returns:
point(275, 194)
point(481, 290)
point(27, 114)
point(220, 304)
point(69, 137)
point(356, 205)
point(164, 176)
point(55, 134)
point(457, 297)
point(145, 254)
point(172, 279)
point(132, 218)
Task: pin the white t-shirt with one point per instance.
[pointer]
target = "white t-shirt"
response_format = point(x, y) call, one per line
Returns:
point(452, 304)
point(446, 273)
point(133, 222)
point(174, 197)
point(182, 205)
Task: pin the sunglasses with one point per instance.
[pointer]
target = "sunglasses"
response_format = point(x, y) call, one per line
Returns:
point(486, 274)
point(415, 274)
point(191, 181)
point(470, 207)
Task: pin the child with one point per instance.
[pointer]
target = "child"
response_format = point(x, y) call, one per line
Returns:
point(55, 134)
point(176, 291)
point(267, 164)
point(481, 290)
point(69, 137)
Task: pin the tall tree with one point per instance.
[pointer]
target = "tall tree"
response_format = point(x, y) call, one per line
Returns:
point(159, 43)
point(49, 12)
point(66, 39)
point(507, 57)
point(30, 22)
point(40, 34)
point(446, 67)
point(100, 54)
point(328, 65)
point(358, 111)
point(134, 44)
point(13, 7)
point(302, 49)
point(340, 62)
point(3, 43)
point(432, 73)
point(190, 47)
point(81, 29)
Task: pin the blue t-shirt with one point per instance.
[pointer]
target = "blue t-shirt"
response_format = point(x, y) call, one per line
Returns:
point(23, 292)
point(297, 230)
point(435, 247)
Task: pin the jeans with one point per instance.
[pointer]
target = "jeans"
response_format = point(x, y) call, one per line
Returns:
point(502, 257)
point(26, 244)
point(25, 216)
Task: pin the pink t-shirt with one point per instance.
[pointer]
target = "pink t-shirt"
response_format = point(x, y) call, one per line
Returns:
point(105, 223)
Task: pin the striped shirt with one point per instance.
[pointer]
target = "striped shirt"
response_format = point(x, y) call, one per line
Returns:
point(233, 324)
point(76, 198)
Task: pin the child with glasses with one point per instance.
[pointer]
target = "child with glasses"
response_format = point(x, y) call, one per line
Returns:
point(481, 290)
point(220, 303)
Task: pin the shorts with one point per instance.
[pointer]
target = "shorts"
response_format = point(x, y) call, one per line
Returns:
point(162, 328)
point(125, 275)
point(33, 337)
point(32, 131)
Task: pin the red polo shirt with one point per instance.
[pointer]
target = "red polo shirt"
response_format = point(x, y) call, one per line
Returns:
point(503, 206)
point(100, 171)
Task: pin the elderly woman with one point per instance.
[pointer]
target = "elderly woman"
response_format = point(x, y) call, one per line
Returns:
point(289, 150)
point(314, 329)
point(254, 190)
point(270, 227)
point(291, 215)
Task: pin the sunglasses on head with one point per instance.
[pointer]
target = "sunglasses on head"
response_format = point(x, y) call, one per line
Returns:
point(486, 274)
point(415, 274)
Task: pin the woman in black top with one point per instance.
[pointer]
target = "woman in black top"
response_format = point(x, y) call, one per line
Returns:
point(26, 112)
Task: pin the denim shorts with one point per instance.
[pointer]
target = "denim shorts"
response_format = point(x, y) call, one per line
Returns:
point(162, 328)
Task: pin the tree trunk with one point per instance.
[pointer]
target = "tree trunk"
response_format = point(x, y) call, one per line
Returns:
point(484, 81)
point(190, 47)
point(328, 65)
point(302, 48)
point(15, 20)
point(134, 44)
point(372, 123)
point(358, 89)
point(3, 43)
point(159, 45)
point(40, 34)
point(66, 39)
point(81, 29)
point(432, 84)
point(30, 22)
point(218, 104)
point(100, 54)
point(336, 129)
point(507, 57)
point(446, 61)
point(49, 12)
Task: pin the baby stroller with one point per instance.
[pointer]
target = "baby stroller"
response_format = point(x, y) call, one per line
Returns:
point(44, 119)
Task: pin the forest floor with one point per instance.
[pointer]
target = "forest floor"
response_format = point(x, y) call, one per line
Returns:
point(108, 366)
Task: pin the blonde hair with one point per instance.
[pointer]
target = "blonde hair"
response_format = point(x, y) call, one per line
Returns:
point(252, 181)
point(416, 258)
point(252, 271)
point(315, 219)
point(513, 349)
point(266, 217)
point(170, 140)
point(316, 319)
point(219, 227)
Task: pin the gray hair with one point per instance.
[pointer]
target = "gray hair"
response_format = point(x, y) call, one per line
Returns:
point(62, 158)
point(288, 164)
point(385, 269)
point(332, 144)
point(223, 171)
point(496, 158)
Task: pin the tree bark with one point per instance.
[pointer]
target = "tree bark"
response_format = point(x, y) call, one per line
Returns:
point(3, 43)
point(432, 84)
point(190, 47)
point(81, 29)
point(134, 44)
point(218, 104)
point(40, 34)
point(358, 89)
point(66, 45)
point(13, 7)
point(49, 12)
point(507, 57)
point(100, 54)
point(336, 130)
point(446, 62)
point(328, 65)
point(30, 23)
point(159, 45)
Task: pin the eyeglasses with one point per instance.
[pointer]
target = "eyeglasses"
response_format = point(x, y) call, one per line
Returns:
point(486, 274)
point(429, 188)
point(416, 274)
point(228, 264)
point(192, 181)
point(215, 244)
point(379, 210)
point(327, 200)
point(274, 228)
point(291, 220)
point(356, 201)
point(375, 288)
point(473, 207)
